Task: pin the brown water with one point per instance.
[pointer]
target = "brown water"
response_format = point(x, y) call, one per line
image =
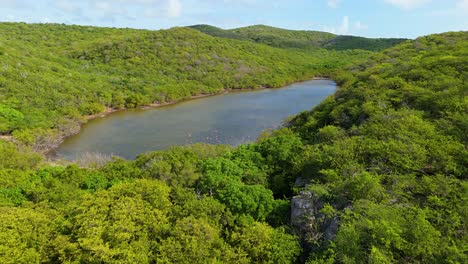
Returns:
point(232, 118)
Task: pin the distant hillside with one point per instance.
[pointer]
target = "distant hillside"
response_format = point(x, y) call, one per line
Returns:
point(271, 36)
point(217, 32)
point(301, 39)
point(388, 152)
point(376, 173)
point(52, 75)
point(283, 38)
point(352, 42)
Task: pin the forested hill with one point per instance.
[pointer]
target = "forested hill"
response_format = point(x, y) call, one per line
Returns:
point(299, 39)
point(377, 173)
point(353, 42)
point(52, 75)
point(387, 156)
point(276, 37)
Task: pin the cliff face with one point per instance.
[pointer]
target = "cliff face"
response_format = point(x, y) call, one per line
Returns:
point(309, 220)
point(304, 208)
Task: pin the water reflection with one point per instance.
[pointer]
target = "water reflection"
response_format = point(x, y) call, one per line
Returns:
point(233, 118)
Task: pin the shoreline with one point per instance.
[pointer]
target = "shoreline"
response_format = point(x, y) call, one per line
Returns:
point(49, 151)
point(109, 111)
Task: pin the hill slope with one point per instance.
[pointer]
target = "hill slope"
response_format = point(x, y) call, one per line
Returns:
point(53, 75)
point(299, 39)
point(389, 153)
point(283, 38)
point(352, 42)
point(377, 173)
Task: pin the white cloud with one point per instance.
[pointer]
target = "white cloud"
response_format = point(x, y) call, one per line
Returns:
point(13, 4)
point(407, 4)
point(174, 8)
point(10, 18)
point(67, 5)
point(360, 26)
point(333, 3)
point(104, 6)
point(344, 28)
point(111, 10)
point(463, 4)
point(459, 8)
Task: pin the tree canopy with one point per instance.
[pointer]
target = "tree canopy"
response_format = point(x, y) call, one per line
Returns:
point(377, 173)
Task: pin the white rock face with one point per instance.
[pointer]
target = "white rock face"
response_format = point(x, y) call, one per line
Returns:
point(307, 219)
point(303, 208)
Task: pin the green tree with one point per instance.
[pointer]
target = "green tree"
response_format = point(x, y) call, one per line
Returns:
point(263, 244)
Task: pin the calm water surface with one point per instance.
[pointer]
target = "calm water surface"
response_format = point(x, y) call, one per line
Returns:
point(232, 118)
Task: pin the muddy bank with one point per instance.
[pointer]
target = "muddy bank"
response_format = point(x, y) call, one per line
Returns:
point(48, 145)
point(230, 118)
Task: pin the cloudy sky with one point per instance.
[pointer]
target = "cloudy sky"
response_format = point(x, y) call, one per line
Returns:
point(372, 18)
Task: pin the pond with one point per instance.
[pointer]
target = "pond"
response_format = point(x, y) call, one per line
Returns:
point(231, 118)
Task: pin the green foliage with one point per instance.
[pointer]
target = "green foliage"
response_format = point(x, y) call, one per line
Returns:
point(118, 225)
point(391, 233)
point(283, 38)
point(26, 137)
point(15, 157)
point(176, 167)
point(231, 182)
point(384, 151)
point(298, 39)
point(352, 42)
point(282, 152)
point(24, 235)
point(177, 206)
point(384, 160)
point(10, 119)
point(195, 241)
point(253, 200)
point(57, 85)
point(264, 244)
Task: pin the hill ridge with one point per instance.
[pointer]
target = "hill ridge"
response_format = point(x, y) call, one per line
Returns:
point(302, 39)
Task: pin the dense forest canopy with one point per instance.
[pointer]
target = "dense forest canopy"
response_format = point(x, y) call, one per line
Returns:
point(54, 75)
point(377, 173)
point(299, 39)
point(389, 153)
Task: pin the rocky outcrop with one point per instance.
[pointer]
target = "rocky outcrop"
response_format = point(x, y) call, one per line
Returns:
point(303, 207)
point(309, 222)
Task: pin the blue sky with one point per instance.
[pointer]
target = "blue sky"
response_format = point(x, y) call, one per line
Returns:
point(377, 18)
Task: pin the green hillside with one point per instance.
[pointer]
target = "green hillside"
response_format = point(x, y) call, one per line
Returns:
point(271, 36)
point(352, 42)
point(54, 75)
point(283, 38)
point(299, 39)
point(388, 156)
point(377, 173)
point(218, 32)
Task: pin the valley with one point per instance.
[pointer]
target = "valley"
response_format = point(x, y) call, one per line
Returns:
point(366, 164)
